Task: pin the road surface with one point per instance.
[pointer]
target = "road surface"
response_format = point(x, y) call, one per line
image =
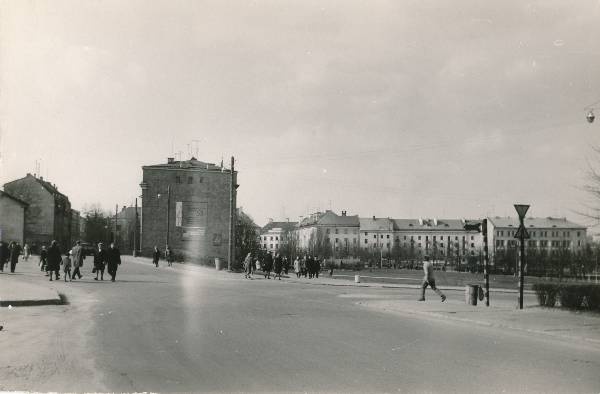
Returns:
point(171, 329)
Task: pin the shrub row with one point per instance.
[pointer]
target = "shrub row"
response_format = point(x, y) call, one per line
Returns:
point(571, 296)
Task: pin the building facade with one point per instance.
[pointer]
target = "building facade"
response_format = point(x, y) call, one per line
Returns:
point(548, 234)
point(12, 218)
point(48, 216)
point(276, 235)
point(187, 202)
point(329, 234)
point(126, 229)
point(442, 240)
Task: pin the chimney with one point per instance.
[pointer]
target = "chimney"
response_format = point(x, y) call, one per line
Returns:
point(420, 221)
point(343, 213)
point(170, 160)
point(373, 217)
point(435, 221)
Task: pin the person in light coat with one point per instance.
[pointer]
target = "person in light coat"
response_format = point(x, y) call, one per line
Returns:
point(297, 268)
point(77, 255)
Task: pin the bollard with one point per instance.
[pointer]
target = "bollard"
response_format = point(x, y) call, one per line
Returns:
point(356, 278)
point(218, 264)
point(471, 294)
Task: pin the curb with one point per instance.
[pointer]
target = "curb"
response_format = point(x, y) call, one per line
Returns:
point(51, 301)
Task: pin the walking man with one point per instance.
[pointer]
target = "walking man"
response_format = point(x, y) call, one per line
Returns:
point(77, 260)
point(99, 261)
point(113, 259)
point(66, 261)
point(429, 280)
point(155, 256)
point(4, 254)
point(248, 266)
point(15, 251)
point(43, 259)
point(169, 256)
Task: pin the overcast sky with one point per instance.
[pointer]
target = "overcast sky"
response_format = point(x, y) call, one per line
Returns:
point(387, 108)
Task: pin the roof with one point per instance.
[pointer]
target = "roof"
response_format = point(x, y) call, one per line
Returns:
point(45, 184)
point(376, 224)
point(532, 222)
point(286, 226)
point(430, 224)
point(5, 194)
point(191, 164)
point(330, 218)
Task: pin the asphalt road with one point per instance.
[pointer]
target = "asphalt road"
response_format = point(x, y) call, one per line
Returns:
point(170, 329)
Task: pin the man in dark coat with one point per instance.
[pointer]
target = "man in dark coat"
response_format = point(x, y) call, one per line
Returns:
point(277, 266)
point(43, 259)
point(113, 258)
point(4, 254)
point(15, 251)
point(54, 259)
point(268, 265)
point(99, 261)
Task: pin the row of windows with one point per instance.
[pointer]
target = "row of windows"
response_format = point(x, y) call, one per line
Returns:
point(534, 234)
point(541, 243)
point(440, 252)
point(336, 231)
point(190, 179)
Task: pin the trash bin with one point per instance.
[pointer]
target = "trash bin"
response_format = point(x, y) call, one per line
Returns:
point(218, 264)
point(356, 278)
point(471, 294)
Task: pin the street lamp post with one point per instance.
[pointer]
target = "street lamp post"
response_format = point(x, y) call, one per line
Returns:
point(521, 235)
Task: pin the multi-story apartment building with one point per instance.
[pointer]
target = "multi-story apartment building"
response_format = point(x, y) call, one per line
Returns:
point(377, 234)
point(192, 200)
point(125, 227)
point(48, 216)
point(329, 231)
point(440, 239)
point(550, 234)
point(276, 235)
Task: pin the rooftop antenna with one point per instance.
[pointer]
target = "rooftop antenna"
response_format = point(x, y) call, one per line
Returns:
point(196, 147)
point(172, 146)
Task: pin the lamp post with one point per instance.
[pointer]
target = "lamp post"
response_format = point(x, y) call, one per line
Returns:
point(521, 235)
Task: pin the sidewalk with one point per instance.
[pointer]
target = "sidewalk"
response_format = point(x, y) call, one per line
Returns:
point(19, 290)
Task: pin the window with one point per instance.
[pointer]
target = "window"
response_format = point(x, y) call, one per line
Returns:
point(276, 238)
point(271, 238)
point(336, 240)
point(578, 233)
point(366, 241)
point(381, 236)
point(456, 238)
point(472, 245)
point(388, 236)
point(419, 239)
point(472, 238)
point(177, 179)
point(336, 230)
point(345, 231)
point(366, 234)
point(190, 180)
point(200, 180)
point(374, 236)
point(327, 231)
point(405, 237)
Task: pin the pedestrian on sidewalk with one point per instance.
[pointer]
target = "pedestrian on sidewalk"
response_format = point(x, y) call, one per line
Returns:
point(155, 256)
point(169, 256)
point(99, 261)
point(277, 266)
point(15, 251)
point(248, 266)
point(4, 254)
point(297, 267)
point(429, 280)
point(268, 265)
point(54, 259)
point(26, 252)
point(317, 267)
point(66, 262)
point(303, 266)
point(113, 260)
point(77, 256)
point(43, 259)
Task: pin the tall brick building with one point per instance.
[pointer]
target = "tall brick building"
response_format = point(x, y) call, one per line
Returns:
point(48, 216)
point(198, 207)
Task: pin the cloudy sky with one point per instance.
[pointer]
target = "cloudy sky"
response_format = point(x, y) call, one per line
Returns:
point(387, 108)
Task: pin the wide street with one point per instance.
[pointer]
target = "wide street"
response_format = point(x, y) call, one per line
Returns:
point(195, 329)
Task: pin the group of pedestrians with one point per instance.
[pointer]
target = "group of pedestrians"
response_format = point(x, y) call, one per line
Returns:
point(52, 259)
point(169, 257)
point(9, 253)
point(307, 266)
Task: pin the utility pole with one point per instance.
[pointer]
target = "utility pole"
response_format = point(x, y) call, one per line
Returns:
point(168, 213)
point(486, 260)
point(135, 223)
point(232, 189)
point(116, 216)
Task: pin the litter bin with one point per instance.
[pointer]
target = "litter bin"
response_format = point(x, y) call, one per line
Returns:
point(471, 294)
point(356, 278)
point(218, 264)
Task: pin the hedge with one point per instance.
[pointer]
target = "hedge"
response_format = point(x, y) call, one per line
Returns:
point(571, 296)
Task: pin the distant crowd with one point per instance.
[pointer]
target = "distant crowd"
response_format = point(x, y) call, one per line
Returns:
point(306, 266)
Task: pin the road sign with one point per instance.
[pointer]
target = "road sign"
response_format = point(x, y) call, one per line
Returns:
point(522, 230)
point(521, 210)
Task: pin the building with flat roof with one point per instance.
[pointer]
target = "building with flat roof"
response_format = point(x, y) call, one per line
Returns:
point(187, 202)
point(329, 234)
